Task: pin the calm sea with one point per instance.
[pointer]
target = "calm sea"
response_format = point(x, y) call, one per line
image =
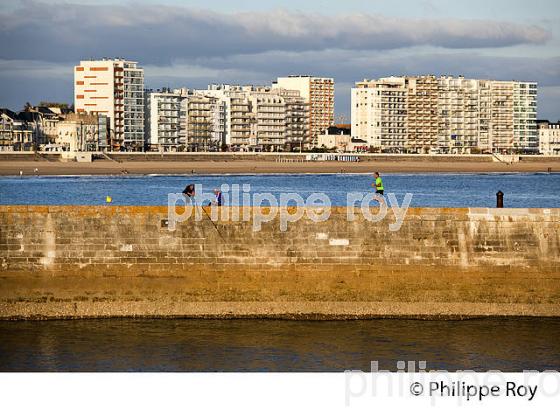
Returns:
point(278, 345)
point(527, 190)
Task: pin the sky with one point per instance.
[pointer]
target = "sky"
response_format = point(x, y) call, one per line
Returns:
point(194, 43)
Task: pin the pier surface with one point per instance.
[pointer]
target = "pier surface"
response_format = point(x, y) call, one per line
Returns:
point(113, 261)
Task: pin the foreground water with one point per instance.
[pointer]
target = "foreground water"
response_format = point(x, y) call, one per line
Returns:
point(278, 345)
point(525, 190)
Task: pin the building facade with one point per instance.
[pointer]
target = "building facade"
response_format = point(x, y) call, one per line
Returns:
point(115, 88)
point(203, 122)
point(425, 114)
point(20, 131)
point(78, 132)
point(260, 118)
point(163, 119)
point(379, 114)
point(318, 92)
point(549, 137)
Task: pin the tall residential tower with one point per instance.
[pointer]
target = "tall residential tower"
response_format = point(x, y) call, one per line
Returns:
point(115, 88)
point(318, 92)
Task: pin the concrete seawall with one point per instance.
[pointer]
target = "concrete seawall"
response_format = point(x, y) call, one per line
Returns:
point(73, 261)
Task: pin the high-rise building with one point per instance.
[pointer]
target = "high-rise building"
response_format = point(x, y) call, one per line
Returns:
point(114, 87)
point(280, 117)
point(318, 92)
point(262, 118)
point(203, 122)
point(162, 122)
point(422, 113)
point(379, 113)
point(447, 114)
point(458, 113)
point(296, 114)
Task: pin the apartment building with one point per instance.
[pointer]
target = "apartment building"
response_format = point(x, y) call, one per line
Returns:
point(422, 113)
point(280, 118)
point(525, 130)
point(296, 111)
point(269, 111)
point(162, 119)
point(262, 118)
point(238, 116)
point(203, 122)
point(457, 115)
point(549, 137)
point(379, 113)
point(115, 88)
point(447, 114)
point(318, 92)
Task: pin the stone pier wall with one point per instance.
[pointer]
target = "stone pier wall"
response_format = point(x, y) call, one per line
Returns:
point(88, 261)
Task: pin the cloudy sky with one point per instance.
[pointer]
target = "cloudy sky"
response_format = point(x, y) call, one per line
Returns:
point(193, 43)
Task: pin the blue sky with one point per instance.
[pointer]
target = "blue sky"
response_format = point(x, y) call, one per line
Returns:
point(193, 43)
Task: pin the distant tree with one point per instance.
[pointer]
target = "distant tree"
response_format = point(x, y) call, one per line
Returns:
point(53, 104)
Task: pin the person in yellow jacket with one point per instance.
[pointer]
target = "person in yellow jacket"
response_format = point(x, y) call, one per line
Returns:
point(378, 184)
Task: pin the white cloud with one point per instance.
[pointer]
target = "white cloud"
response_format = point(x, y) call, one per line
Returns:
point(157, 34)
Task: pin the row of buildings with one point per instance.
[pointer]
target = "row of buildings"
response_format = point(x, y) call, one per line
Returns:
point(288, 114)
point(446, 114)
point(50, 128)
point(412, 114)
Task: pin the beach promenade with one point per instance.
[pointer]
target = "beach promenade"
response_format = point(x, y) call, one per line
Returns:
point(207, 163)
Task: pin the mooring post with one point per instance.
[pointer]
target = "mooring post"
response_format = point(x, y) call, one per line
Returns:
point(499, 199)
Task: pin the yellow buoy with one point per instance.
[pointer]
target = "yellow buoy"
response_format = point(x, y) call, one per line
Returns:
point(108, 199)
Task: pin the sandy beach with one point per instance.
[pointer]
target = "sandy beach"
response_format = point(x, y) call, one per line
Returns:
point(105, 167)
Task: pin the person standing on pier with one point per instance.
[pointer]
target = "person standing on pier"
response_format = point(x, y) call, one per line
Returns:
point(189, 192)
point(218, 194)
point(378, 184)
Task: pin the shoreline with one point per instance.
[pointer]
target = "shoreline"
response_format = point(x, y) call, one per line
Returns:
point(275, 310)
point(217, 167)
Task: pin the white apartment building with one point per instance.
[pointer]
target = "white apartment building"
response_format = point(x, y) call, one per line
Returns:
point(262, 118)
point(318, 92)
point(163, 118)
point(549, 137)
point(184, 119)
point(525, 131)
point(296, 114)
point(203, 122)
point(114, 87)
point(238, 117)
point(379, 114)
point(280, 118)
point(458, 114)
point(269, 111)
point(447, 114)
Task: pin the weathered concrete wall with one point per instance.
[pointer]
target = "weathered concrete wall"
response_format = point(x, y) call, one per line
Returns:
point(73, 261)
